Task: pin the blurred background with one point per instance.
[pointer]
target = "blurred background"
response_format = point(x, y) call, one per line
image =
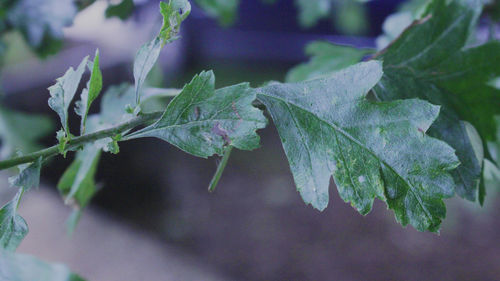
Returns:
point(153, 218)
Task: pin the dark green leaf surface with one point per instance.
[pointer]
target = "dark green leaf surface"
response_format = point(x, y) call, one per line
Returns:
point(203, 122)
point(90, 93)
point(430, 61)
point(13, 227)
point(123, 10)
point(63, 92)
point(18, 267)
point(373, 149)
point(20, 131)
point(326, 58)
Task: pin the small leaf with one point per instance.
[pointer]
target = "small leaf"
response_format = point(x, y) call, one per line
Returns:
point(326, 58)
point(173, 14)
point(203, 122)
point(373, 149)
point(28, 177)
point(91, 93)
point(18, 267)
point(62, 93)
point(13, 227)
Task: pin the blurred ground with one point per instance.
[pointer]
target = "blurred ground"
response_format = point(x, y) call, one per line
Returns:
point(104, 247)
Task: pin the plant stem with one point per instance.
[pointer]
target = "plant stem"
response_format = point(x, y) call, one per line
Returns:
point(75, 142)
point(220, 169)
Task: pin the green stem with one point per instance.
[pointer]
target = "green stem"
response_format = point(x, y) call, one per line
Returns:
point(220, 169)
point(75, 142)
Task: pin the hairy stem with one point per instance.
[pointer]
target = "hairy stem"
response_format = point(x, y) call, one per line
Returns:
point(75, 142)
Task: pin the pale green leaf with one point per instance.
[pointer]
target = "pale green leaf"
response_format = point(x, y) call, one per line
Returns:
point(91, 93)
point(203, 122)
point(430, 60)
point(373, 149)
point(326, 58)
point(62, 93)
point(173, 14)
point(13, 227)
point(20, 131)
point(18, 267)
point(28, 177)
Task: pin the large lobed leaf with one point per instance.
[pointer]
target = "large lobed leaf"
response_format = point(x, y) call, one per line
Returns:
point(203, 122)
point(431, 60)
point(372, 149)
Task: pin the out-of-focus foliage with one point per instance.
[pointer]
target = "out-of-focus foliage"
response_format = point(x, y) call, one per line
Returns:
point(41, 24)
point(348, 16)
point(18, 267)
point(123, 10)
point(326, 58)
point(20, 131)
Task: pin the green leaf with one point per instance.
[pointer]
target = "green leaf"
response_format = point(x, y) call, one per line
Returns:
point(62, 93)
point(20, 131)
point(310, 11)
point(77, 183)
point(224, 10)
point(396, 23)
point(326, 58)
point(173, 14)
point(373, 149)
point(13, 227)
point(203, 122)
point(91, 93)
point(28, 177)
point(123, 10)
point(42, 25)
point(430, 60)
point(18, 267)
